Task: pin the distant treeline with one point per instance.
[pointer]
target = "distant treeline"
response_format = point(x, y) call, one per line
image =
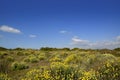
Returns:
point(53, 49)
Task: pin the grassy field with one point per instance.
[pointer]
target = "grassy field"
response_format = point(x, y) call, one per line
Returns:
point(59, 64)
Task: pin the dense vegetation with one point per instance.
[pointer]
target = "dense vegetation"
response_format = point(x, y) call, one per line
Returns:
point(59, 64)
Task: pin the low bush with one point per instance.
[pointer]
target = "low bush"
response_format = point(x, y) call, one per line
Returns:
point(41, 57)
point(10, 58)
point(4, 66)
point(19, 66)
point(31, 58)
point(89, 75)
point(61, 71)
point(4, 77)
point(3, 54)
point(55, 59)
point(57, 71)
point(20, 53)
point(109, 71)
point(26, 59)
point(74, 59)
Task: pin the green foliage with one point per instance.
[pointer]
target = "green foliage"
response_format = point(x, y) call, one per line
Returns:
point(19, 66)
point(4, 77)
point(75, 49)
point(4, 66)
point(10, 58)
point(1, 55)
point(20, 53)
point(89, 75)
point(19, 49)
point(61, 71)
point(3, 49)
point(109, 71)
point(31, 58)
point(41, 57)
point(73, 58)
point(66, 49)
point(53, 49)
point(57, 71)
point(47, 49)
point(26, 59)
point(56, 58)
point(60, 64)
point(117, 49)
point(36, 74)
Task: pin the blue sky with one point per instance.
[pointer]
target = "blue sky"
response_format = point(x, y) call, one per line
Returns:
point(60, 23)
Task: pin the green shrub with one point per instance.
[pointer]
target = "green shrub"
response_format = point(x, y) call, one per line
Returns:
point(1, 56)
point(70, 58)
point(36, 74)
point(4, 66)
point(64, 54)
point(61, 71)
point(73, 59)
point(26, 59)
point(57, 71)
point(92, 61)
point(89, 75)
point(41, 57)
point(109, 57)
point(20, 53)
point(55, 59)
point(19, 66)
point(31, 58)
point(4, 77)
point(10, 58)
point(109, 71)
point(27, 53)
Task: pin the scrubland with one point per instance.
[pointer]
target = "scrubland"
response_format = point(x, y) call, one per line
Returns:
point(59, 64)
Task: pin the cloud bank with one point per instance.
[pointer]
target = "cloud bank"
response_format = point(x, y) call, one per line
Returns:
point(110, 44)
point(9, 29)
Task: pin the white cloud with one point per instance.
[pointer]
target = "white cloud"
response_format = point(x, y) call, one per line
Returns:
point(118, 38)
point(9, 29)
point(63, 31)
point(32, 36)
point(78, 41)
point(110, 44)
